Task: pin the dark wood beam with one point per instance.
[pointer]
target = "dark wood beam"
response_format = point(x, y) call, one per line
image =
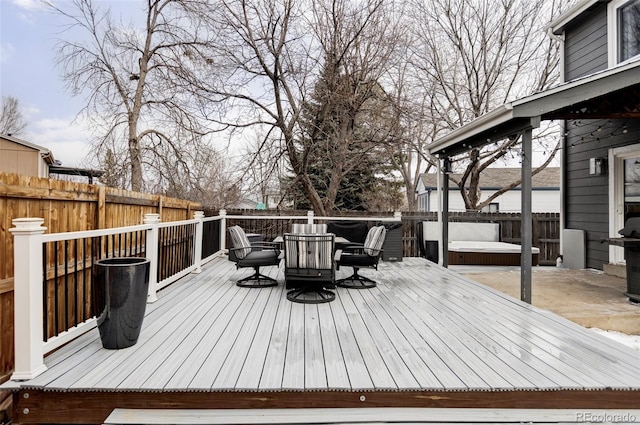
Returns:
point(37, 406)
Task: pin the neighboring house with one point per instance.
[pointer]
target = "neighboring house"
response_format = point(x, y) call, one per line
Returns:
point(598, 105)
point(545, 191)
point(245, 204)
point(21, 157)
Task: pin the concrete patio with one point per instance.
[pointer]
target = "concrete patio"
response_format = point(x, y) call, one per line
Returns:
point(588, 297)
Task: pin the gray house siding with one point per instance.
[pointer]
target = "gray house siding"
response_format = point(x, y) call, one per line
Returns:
point(586, 196)
point(586, 44)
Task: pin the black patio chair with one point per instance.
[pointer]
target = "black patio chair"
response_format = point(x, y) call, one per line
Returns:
point(360, 256)
point(353, 231)
point(244, 254)
point(309, 269)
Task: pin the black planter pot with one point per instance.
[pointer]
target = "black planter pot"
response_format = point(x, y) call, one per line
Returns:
point(119, 295)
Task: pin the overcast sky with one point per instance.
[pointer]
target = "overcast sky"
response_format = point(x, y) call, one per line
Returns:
point(28, 34)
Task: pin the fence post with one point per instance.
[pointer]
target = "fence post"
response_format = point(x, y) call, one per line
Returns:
point(199, 216)
point(309, 217)
point(28, 311)
point(152, 253)
point(223, 229)
point(397, 216)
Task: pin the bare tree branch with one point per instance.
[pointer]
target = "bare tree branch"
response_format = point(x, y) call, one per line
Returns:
point(11, 120)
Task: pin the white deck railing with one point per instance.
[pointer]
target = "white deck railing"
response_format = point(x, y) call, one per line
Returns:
point(29, 238)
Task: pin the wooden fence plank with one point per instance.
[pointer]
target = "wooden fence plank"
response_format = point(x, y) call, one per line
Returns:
point(66, 207)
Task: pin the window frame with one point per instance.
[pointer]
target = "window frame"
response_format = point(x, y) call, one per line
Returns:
point(613, 37)
point(492, 207)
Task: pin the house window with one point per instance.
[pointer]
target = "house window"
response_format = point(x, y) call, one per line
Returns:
point(423, 204)
point(631, 187)
point(629, 30)
point(493, 207)
point(624, 192)
point(624, 34)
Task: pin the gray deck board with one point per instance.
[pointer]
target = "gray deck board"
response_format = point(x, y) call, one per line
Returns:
point(315, 370)
point(197, 353)
point(472, 359)
point(273, 369)
point(374, 362)
point(231, 367)
point(354, 363)
point(575, 353)
point(405, 350)
point(334, 356)
point(422, 328)
point(249, 377)
point(180, 349)
point(557, 353)
point(502, 351)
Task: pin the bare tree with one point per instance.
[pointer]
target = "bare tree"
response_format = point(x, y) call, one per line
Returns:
point(272, 55)
point(11, 120)
point(264, 170)
point(414, 124)
point(143, 86)
point(353, 115)
point(211, 180)
point(114, 170)
point(480, 54)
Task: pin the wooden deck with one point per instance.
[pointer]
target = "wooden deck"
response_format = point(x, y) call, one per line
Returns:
point(424, 337)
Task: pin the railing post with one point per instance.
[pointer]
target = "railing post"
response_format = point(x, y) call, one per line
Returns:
point(223, 229)
point(152, 254)
point(397, 216)
point(28, 311)
point(309, 217)
point(199, 216)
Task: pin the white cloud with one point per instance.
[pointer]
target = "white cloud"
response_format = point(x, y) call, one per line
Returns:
point(6, 51)
point(68, 140)
point(30, 4)
point(27, 18)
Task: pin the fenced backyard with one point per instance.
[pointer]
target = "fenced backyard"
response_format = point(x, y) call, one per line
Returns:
point(546, 226)
point(99, 217)
point(412, 341)
point(70, 207)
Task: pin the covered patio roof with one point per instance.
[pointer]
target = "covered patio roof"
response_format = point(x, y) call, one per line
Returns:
point(609, 94)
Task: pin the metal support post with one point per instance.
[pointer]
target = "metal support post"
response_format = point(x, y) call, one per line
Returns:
point(527, 218)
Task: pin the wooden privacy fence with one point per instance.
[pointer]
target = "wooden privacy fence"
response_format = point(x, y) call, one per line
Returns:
point(68, 207)
point(546, 230)
point(546, 226)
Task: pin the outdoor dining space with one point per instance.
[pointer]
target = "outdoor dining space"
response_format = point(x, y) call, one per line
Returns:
point(422, 338)
point(311, 254)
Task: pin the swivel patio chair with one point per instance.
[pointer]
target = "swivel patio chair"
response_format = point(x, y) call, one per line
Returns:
point(309, 269)
point(308, 228)
point(354, 231)
point(360, 256)
point(244, 254)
